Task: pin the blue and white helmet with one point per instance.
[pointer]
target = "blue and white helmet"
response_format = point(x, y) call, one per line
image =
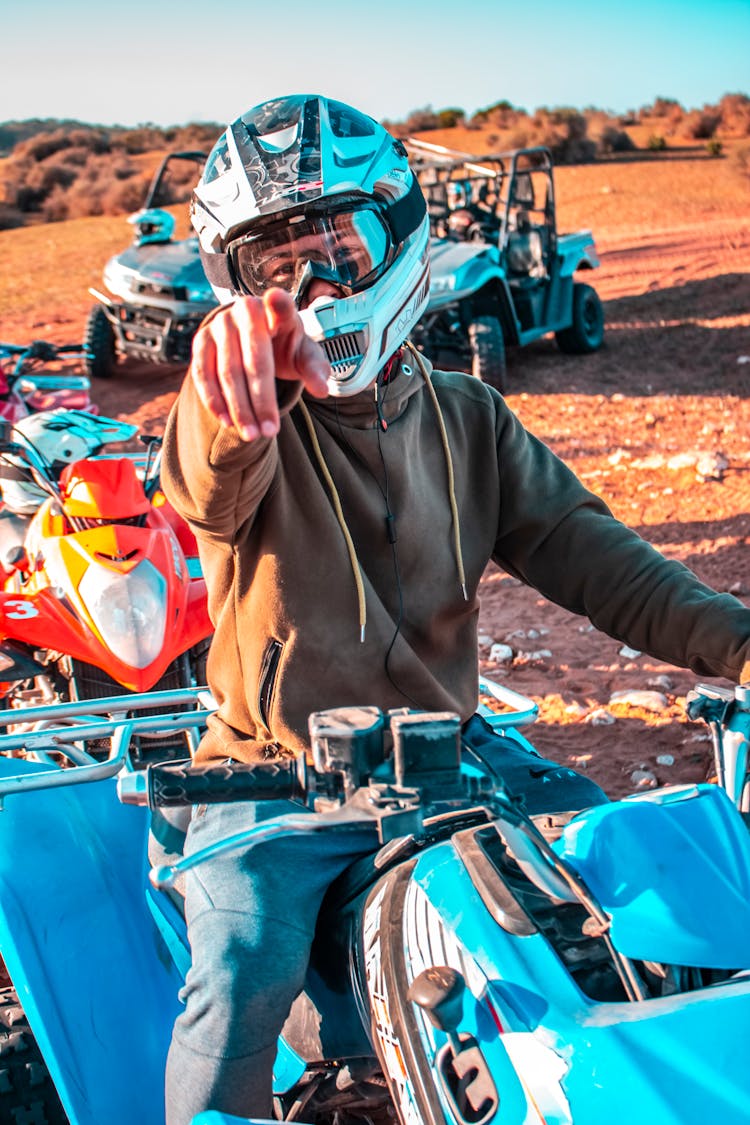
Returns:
point(153, 225)
point(303, 187)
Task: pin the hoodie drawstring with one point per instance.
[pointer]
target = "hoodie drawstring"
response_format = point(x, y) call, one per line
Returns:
point(354, 561)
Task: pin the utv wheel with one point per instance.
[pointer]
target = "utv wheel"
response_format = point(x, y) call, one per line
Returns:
point(99, 342)
point(488, 351)
point(26, 1090)
point(586, 332)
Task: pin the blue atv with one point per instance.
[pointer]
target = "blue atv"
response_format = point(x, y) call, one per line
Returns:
point(494, 960)
point(501, 273)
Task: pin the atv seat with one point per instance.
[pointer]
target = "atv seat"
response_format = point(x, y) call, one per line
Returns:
point(525, 248)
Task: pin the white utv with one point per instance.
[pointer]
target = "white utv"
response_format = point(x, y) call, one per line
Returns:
point(501, 274)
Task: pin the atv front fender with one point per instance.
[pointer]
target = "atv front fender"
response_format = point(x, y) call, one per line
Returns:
point(460, 269)
point(576, 252)
point(82, 949)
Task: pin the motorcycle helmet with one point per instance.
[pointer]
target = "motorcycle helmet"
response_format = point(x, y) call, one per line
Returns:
point(304, 187)
point(153, 225)
point(59, 437)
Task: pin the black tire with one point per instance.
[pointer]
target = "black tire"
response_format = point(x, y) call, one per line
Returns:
point(27, 1096)
point(99, 341)
point(488, 351)
point(586, 331)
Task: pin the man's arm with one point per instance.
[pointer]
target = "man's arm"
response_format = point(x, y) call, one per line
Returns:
point(563, 540)
point(251, 360)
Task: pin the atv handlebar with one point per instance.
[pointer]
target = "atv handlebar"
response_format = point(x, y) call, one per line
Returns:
point(38, 351)
point(180, 784)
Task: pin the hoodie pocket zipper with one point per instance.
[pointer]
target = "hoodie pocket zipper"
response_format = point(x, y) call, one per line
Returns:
point(268, 671)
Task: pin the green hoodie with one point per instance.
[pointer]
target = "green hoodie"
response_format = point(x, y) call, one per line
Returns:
point(281, 565)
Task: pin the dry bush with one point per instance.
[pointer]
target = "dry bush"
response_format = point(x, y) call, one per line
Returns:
point(739, 162)
point(44, 145)
point(76, 155)
point(200, 137)
point(451, 117)
point(735, 114)
point(661, 107)
point(143, 139)
point(700, 125)
point(611, 139)
point(123, 197)
point(502, 115)
point(124, 170)
point(422, 120)
point(86, 197)
point(564, 132)
point(55, 208)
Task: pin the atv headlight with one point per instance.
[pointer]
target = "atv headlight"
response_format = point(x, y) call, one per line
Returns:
point(129, 610)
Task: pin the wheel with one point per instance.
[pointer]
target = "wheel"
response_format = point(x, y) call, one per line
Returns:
point(586, 331)
point(487, 351)
point(26, 1090)
point(99, 342)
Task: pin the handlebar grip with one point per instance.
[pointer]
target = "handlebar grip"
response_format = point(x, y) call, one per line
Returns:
point(179, 784)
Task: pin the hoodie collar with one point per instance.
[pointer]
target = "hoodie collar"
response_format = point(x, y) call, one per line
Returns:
point(360, 411)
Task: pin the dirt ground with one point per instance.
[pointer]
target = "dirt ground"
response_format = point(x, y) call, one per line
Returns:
point(658, 423)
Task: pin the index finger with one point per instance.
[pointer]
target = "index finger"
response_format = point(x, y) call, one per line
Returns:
point(259, 363)
point(297, 356)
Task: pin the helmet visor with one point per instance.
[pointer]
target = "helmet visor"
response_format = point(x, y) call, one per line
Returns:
point(350, 247)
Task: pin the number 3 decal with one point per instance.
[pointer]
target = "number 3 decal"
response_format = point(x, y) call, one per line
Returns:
point(18, 609)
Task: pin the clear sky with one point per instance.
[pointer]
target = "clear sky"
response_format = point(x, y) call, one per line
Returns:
point(208, 60)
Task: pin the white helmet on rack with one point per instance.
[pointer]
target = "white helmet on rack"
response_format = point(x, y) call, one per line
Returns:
point(59, 437)
point(305, 187)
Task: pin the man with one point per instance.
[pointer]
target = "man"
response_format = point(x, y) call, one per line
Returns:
point(346, 500)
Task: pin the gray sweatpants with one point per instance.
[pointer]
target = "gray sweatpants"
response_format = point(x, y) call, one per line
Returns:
point(251, 918)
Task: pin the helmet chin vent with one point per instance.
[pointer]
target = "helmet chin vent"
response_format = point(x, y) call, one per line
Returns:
point(344, 352)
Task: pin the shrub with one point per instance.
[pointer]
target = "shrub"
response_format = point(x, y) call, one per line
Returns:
point(201, 136)
point(611, 139)
point(122, 197)
point(449, 118)
point(44, 145)
point(76, 155)
point(739, 162)
point(422, 120)
point(735, 114)
point(700, 125)
point(563, 131)
point(661, 107)
point(714, 147)
point(656, 143)
point(55, 207)
point(501, 115)
point(145, 138)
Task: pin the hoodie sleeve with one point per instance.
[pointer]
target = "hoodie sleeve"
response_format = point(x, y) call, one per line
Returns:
point(563, 540)
point(213, 478)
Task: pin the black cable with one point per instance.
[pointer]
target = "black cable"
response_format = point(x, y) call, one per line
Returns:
point(390, 522)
